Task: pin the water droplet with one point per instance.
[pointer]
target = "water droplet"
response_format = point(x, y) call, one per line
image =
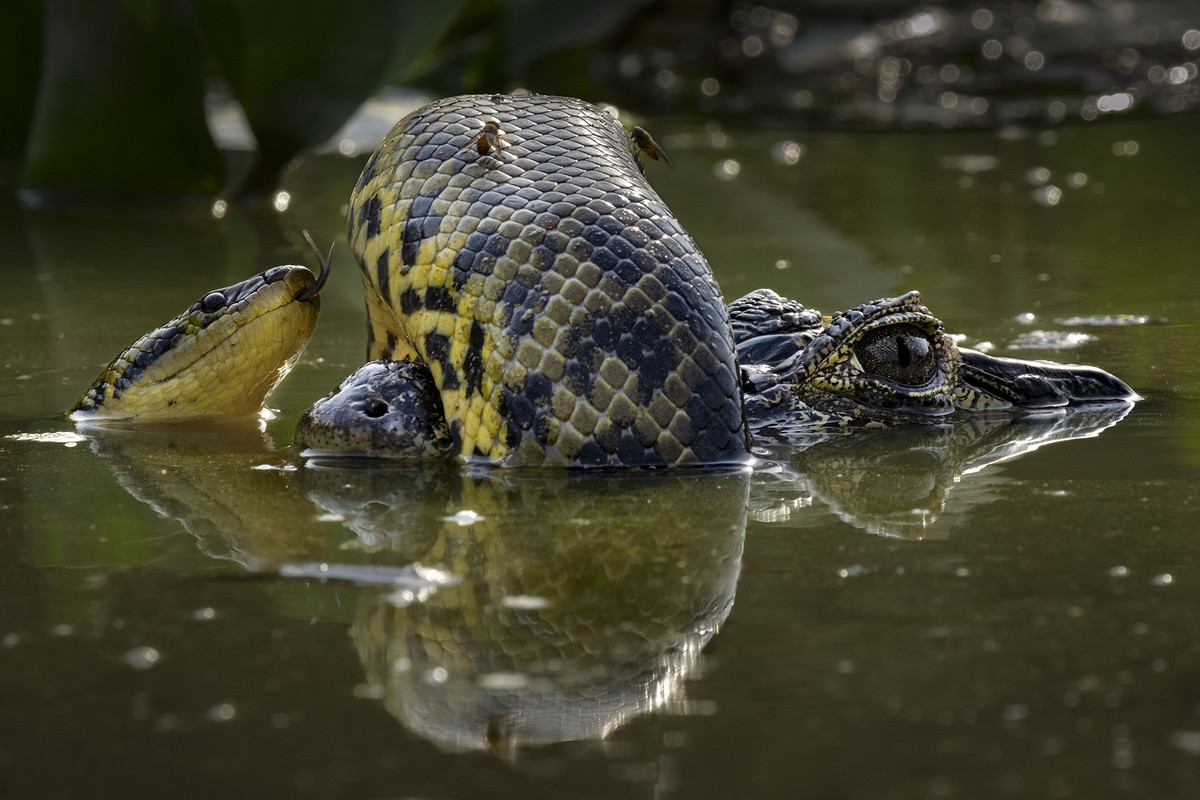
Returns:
point(141, 657)
point(464, 518)
point(1037, 175)
point(525, 602)
point(369, 691)
point(787, 152)
point(503, 681)
point(223, 712)
point(727, 170)
point(1047, 195)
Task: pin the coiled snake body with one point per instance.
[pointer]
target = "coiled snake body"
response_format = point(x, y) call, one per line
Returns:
point(564, 313)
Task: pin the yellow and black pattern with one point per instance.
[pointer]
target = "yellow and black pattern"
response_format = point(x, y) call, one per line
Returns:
point(566, 316)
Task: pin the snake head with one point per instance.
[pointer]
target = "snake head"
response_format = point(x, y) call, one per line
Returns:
point(220, 357)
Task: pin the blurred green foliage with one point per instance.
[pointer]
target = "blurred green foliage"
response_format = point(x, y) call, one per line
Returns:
point(109, 95)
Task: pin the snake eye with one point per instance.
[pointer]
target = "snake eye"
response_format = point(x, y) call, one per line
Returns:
point(213, 301)
point(902, 354)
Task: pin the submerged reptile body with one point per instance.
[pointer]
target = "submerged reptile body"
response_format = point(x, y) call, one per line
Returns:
point(564, 313)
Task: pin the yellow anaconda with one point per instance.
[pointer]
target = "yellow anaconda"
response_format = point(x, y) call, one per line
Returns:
point(511, 243)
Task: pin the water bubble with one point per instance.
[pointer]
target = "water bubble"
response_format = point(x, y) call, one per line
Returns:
point(782, 263)
point(1125, 148)
point(1119, 571)
point(992, 49)
point(1025, 318)
point(1037, 175)
point(1187, 741)
point(464, 518)
point(981, 19)
point(1114, 103)
point(525, 602)
point(1191, 39)
point(1177, 75)
point(368, 691)
point(787, 152)
point(437, 676)
point(502, 681)
point(1166, 579)
point(223, 712)
point(1047, 195)
point(282, 201)
point(1049, 340)
point(1034, 61)
point(219, 209)
point(1077, 180)
point(630, 65)
point(727, 170)
point(710, 86)
point(141, 657)
point(1014, 713)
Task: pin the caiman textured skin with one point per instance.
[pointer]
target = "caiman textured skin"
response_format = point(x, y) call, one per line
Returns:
point(565, 314)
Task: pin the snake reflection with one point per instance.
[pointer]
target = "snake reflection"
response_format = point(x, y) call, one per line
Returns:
point(578, 601)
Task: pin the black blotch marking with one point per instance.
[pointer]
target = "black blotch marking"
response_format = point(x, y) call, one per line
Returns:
point(473, 360)
point(383, 276)
point(438, 298)
point(410, 301)
point(437, 348)
point(369, 215)
point(417, 227)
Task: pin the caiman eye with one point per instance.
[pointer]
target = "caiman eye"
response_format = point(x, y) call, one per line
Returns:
point(902, 354)
point(213, 301)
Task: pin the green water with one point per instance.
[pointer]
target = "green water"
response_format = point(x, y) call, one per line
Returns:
point(969, 613)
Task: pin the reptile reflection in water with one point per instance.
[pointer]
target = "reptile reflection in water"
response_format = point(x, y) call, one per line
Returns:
point(577, 601)
point(897, 483)
point(582, 602)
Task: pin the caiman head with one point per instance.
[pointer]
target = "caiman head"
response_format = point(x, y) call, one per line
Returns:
point(890, 361)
